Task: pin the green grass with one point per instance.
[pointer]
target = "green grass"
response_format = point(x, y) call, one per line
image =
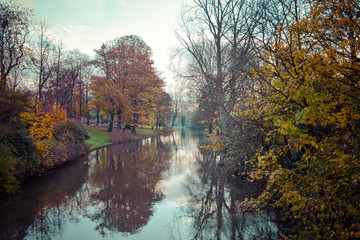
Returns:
point(144, 131)
point(98, 137)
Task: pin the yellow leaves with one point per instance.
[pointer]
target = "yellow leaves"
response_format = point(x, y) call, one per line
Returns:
point(353, 210)
point(287, 128)
point(215, 144)
point(307, 105)
point(42, 123)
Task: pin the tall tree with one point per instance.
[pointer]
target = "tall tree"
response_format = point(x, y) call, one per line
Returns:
point(14, 31)
point(127, 62)
point(163, 109)
point(309, 110)
point(42, 58)
point(108, 97)
point(76, 64)
point(177, 97)
point(217, 36)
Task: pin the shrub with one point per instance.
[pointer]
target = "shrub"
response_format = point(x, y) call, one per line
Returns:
point(17, 155)
point(8, 182)
point(41, 124)
point(12, 103)
point(72, 132)
point(70, 138)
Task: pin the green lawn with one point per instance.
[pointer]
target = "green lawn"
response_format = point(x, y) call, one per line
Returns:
point(144, 131)
point(98, 137)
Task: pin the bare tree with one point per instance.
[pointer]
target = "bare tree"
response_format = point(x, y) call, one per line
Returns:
point(216, 34)
point(42, 59)
point(14, 31)
point(75, 63)
point(56, 81)
point(177, 96)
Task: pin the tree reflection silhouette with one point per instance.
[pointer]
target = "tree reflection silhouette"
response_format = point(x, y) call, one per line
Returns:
point(117, 188)
point(126, 186)
point(47, 204)
point(212, 206)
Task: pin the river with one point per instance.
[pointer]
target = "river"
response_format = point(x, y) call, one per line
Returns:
point(158, 188)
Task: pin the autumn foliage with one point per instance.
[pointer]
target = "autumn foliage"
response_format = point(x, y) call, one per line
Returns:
point(127, 83)
point(42, 124)
point(307, 108)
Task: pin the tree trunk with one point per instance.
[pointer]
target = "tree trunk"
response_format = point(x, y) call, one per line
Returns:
point(210, 128)
point(111, 122)
point(80, 100)
point(97, 117)
point(174, 118)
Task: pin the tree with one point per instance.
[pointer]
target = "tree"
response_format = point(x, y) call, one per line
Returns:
point(163, 109)
point(126, 62)
point(42, 59)
point(308, 107)
point(183, 120)
point(108, 97)
point(69, 81)
point(42, 123)
point(14, 31)
point(76, 63)
point(56, 81)
point(177, 95)
point(210, 35)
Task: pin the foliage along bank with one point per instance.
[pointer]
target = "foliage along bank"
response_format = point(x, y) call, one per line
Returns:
point(120, 82)
point(286, 99)
point(34, 139)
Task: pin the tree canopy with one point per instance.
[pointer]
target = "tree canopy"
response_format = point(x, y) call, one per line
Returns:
point(125, 64)
point(288, 79)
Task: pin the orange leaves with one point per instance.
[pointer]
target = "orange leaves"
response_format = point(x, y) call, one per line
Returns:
point(110, 98)
point(131, 80)
point(41, 125)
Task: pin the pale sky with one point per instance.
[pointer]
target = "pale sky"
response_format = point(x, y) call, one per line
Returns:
point(86, 24)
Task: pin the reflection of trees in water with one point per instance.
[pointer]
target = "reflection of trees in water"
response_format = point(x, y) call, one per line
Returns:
point(126, 186)
point(116, 190)
point(212, 207)
point(42, 214)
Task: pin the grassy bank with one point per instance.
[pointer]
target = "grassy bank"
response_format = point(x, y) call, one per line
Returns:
point(100, 137)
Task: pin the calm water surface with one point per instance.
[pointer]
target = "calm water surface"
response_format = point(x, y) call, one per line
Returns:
point(159, 188)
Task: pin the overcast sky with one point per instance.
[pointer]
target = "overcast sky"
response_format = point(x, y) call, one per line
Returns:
point(86, 24)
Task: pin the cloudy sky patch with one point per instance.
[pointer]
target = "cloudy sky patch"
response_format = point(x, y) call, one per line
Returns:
point(86, 24)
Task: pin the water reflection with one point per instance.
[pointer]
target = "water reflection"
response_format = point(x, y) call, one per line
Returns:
point(209, 205)
point(212, 206)
point(124, 181)
point(159, 188)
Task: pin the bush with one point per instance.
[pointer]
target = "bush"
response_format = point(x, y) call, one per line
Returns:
point(70, 138)
point(22, 142)
point(8, 182)
point(72, 132)
point(11, 104)
point(17, 155)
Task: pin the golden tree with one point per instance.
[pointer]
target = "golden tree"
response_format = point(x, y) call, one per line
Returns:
point(309, 106)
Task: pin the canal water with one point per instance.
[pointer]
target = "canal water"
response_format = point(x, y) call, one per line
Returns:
point(158, 188)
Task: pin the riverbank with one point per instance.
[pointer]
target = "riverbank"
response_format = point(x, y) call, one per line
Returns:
point(100, 137)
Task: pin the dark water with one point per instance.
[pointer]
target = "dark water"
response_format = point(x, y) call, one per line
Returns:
point(159, 188)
